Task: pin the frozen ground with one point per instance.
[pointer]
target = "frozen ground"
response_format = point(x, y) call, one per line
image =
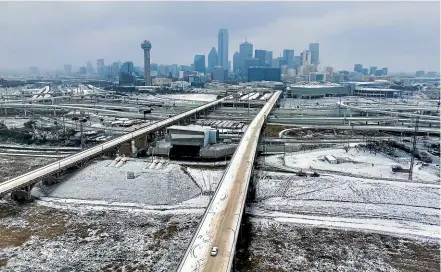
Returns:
point(207, 179)
point(359, 163)
point(101, 180)
point(396, 207)
point(39, 238)
point(273, 246)
point(11, 167)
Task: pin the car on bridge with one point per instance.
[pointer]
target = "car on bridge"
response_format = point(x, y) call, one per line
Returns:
point(214, 251)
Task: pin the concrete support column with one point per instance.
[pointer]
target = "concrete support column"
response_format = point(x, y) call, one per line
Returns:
point(134, 148)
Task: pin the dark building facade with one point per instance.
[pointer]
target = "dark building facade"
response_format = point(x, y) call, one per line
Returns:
point(358, 68)
point(261, 56)
point(199, 63)
point(288, 56)
point(264, 73)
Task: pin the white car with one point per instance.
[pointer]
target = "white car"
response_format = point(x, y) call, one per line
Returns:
point(214, 251)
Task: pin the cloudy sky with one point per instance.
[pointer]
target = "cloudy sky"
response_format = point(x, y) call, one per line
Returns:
point(404, 36)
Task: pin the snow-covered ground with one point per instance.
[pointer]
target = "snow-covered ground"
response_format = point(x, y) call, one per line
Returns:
point(205, 178)
point(103, 180)
point(359, 163)
point(40, 238)
point(278, 246)
point(397, 207)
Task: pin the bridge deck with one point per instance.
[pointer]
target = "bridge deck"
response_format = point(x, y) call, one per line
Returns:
point(220, 224)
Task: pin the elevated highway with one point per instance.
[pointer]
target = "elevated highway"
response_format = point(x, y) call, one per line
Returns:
point(221, 222)
point(386, 112)
point(24, 182)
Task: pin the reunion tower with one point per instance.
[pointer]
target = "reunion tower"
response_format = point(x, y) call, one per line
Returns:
point(146, 46)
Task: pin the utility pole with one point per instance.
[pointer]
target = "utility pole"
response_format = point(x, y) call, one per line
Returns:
point(412, 158)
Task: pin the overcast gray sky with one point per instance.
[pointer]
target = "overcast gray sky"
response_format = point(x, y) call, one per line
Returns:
point(404, 36)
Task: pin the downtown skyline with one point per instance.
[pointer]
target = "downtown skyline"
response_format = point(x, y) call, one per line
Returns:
point(401, 36)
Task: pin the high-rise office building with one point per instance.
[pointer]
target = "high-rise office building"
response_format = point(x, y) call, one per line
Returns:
point(89, 67)
point(305, 58)
point(385, 71)
point(297, 61)
point(358, 68)
point(261, 56)
point(250, 62)
point(68, 69)
point(146, 46)
point(275, 63)
point(288, 56)
point(83, 70)
point(222, 54)
point(365, 71)
point(219, 73)
point(246, 52)
point(373, 70)
point(268, 58)
point(431, 74)
point(314, 49)
point(127, 67)
point(199, 63)
point(212, 59)
point(100, 67)
point(237, 61)
point(420, 73)
point(116, 67)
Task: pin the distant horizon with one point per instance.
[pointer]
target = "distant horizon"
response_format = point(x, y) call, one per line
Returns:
point(402, 36)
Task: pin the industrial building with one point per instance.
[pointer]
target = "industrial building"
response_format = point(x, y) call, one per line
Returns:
point(375, 92)
point(316, 90)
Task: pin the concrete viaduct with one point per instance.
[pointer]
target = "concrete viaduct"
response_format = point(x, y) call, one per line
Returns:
point(20, 187)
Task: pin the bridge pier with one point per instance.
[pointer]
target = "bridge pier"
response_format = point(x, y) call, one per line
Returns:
point(23, 194)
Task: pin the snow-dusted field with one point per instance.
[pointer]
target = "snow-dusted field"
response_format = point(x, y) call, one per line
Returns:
point(102, 180)
point(205, 178)
point(277, 246)
point(38, 238)
point(359, 163)
point(396, 207)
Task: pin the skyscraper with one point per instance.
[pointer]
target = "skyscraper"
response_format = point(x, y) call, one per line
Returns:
point(305, 58)
point(246, 52)
point(100, 67)
point(268, 58)
point(385, 71)
point(67, 69)
point(261, 55)
point(373, 70)
point(146, 46)
point(90, 68)
point(358, 68)
point(237, 60)
point(199, 63)
point(314, 48)
point(222, 42)
point(212, 59)
point(288, 56)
